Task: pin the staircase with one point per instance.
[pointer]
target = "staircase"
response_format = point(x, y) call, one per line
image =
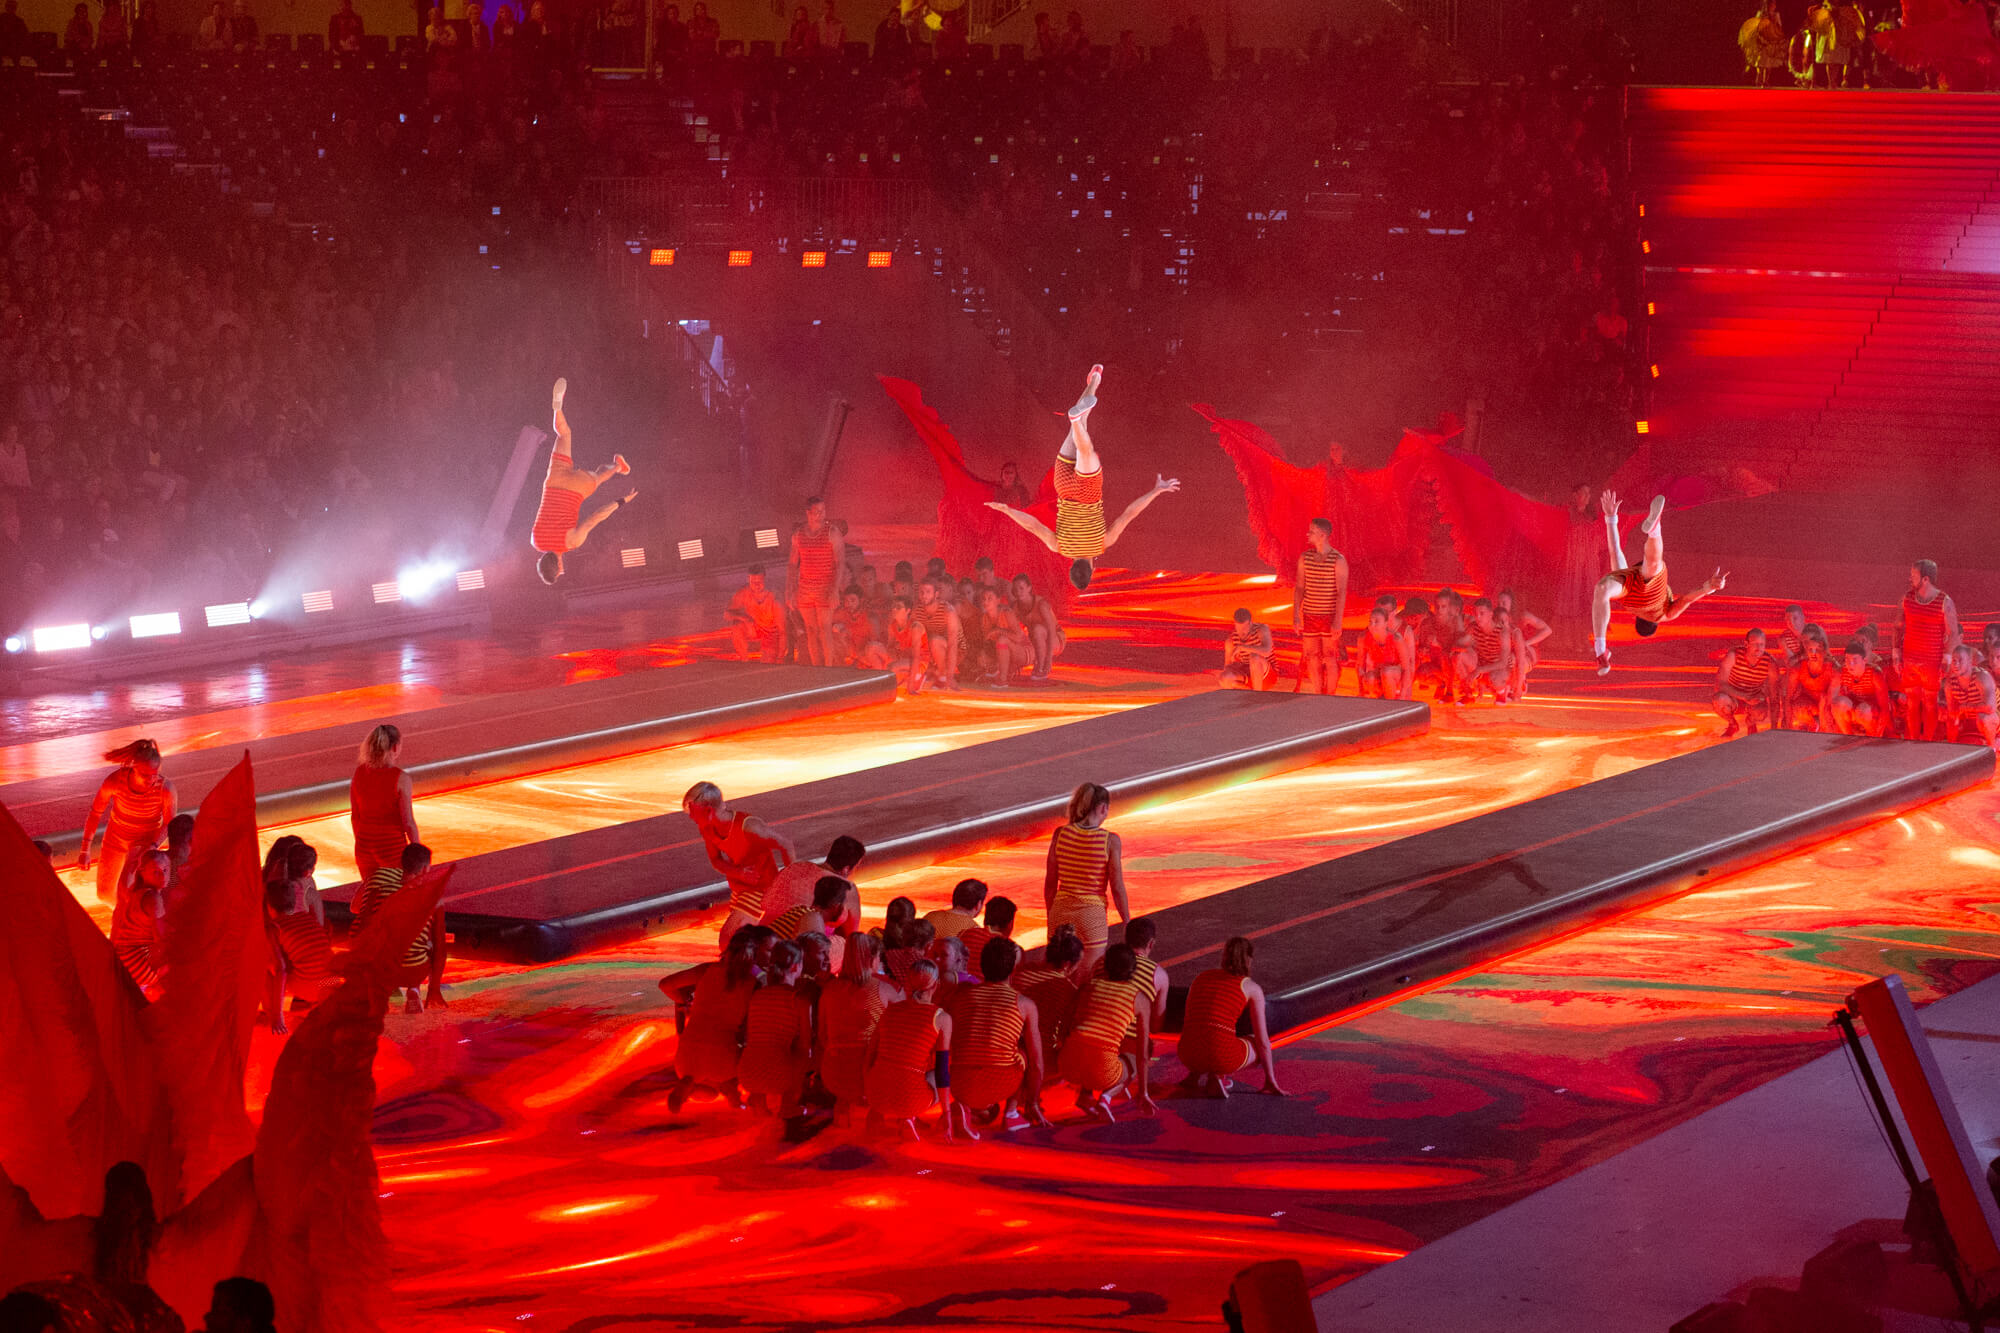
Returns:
point(1824, 283)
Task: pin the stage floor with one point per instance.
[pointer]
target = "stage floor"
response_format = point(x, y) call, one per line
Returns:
point(531, 1171)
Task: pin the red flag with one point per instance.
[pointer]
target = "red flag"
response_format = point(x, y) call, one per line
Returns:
point(79, 1092)
point(216, 964)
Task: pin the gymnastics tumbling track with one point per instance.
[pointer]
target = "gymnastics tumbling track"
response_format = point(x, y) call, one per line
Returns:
point(1352, 930)
point(305, 775)
point(553, 898)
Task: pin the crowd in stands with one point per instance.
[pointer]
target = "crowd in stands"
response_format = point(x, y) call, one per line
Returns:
point(808, 1015)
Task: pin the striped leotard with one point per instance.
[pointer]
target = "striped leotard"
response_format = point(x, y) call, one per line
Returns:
point(1083, 882)
point(712, 1044)
point(747, 879)
point(1104, 1016)
point(936, 619)
point(1487, 643)
point(556, 517)
point(307, 951)
point(1923, 634)
point(849, 1012)
point(1964, 694)
point(816, 582)
point(135, 937)
point(899, 1085)
point(1646, 598)
point(1751, 678)
point(383, 885)
point(1863, 686)
point(986, 1028)
point(1815, 685)
point(777, 1037)
point(1079, 511)
point(375, 798)
point(1318, 590)
point(1209, 1044)
point(137, 819)
point(1377, 654)
point(1054, 995)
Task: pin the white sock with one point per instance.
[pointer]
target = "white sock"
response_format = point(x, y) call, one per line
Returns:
point(1597, 645)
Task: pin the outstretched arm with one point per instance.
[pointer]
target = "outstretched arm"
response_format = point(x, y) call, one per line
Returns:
point(1714, 584)
point(1117, 529)
point(581, 532)
point(1036, 528)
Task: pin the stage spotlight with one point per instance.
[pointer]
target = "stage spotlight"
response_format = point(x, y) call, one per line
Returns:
point(100, 633)
point(60, 638)
point(227, 613)
point(660, 258)
point(878, 258)
point(691, 549)
point(767, 539)
point(739, 259)
point(259, 608)
point(813, 259)
point(321, 600)
point(1643, 427)
point(471, 580)
point(386, 593)
point(419, 583)
point(633, 557)
point(15, 643)
point(157, 624)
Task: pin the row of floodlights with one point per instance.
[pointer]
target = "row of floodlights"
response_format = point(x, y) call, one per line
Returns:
point(663, 257)
point(412, 585)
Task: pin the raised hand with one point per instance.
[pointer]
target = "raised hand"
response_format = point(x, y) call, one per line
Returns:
point(1164, 484)
point(629, 496)
point(1608, 502)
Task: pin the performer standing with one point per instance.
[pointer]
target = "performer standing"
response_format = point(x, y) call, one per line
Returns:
point(1929, 633)
point(1642, 588)
point(564, 490)
point(813, 576)
point(1080, 535)
point(135, 805)
point(379, 805)
point(1086, 872)
point(742, 848)
point(1319, 602)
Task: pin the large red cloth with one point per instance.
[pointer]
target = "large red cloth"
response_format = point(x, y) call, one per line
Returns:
point(1949, 38)
point(79, 1091)
point(319, 1242)
point(967, 529)
point(216, 963)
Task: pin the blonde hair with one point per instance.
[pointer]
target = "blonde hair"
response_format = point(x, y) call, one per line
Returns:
point(702, 793)
point(858, 963)
point(1083, 802)
point(380, 744)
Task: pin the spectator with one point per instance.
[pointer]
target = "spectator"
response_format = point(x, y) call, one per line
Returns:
point(1075, 41)
point(111, 36)
point(146, 29)
point(13, 33)
point(344, 30)
point(240, 1305)
point(802, 42)
point(77, 37)
point(1048, 42)
point(212, 34)
point(704, 33)
point(892, 40)
point(505, 29)
point(478, 36)
point(1126, 57)
point(670, 39)
point(440, 38)
point(832, 32)
point(243, 31)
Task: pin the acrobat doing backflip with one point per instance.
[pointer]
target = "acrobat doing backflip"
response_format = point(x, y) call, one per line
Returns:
point(1641, 589)
point(567, 486)
point(1080, 535)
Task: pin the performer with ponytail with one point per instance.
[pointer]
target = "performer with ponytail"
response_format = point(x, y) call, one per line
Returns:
point(378, 801)
point(557, 529)
point(1086, 872)
point(135, 805)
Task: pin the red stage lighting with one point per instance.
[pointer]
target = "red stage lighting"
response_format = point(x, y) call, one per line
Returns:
point(1643, 427)
point(878, 259)
point(813, 259)
point(739, 259)
point(660, 258)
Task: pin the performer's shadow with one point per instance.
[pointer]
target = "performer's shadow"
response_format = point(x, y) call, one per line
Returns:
point(1465, 884)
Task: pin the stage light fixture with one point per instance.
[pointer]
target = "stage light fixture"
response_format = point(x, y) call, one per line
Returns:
point(1652, 309)
point(1655, 370)
point(60, 638)
point(691, 549)
point(878, 259)
point(471, 580)
point(15, 644)
point(227, 613)
point(633, 557)
point(660, 258)
point(813, 259)
point(739, 259)
point(767, 539)
point(1645, 247)
point(259, 609)
point(155, 625)
point(100, 633)
point(386, 593)
point(315, 602)
point(1643, 427)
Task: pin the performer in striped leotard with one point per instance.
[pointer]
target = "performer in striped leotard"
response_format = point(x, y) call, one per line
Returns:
point(1744, 685)
point(1319, 600)
point(1929, 633)
point(743, 849)
point(1247, 652)
point(818, 556)
point(936, 636)
point(1970, 710)
point(909, 1059)
point(849, 1010)
point(135, 805)
point(777, 1036)
point(378, 803)
point(565, 488)
point(1085, 872)
point(1080, 535)
point(711, 1040)
point(1096, 1055)
point(295, 929)
point(139, 921)
point(1382, 669)
point(997, 1042)
point(1810, 686)
point(1861, 704)
point(1484, 656)
point(423, 961)
point(1052, 984)
point(1641, 589)
point(1209, 1046)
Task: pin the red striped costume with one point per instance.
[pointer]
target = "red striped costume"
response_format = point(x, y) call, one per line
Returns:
point(816, 568)
point(1377, 654)
point(1105, 1015)
point(899, 1080)
point(986, 1027)
point(135, 819)
point(1054, 995)
point(1487, 644)
point(713, 1042)
point(1079, 511)
point(1863, 686)
point(1966, 694)
point(1209, 1044)
point(1924, 631)
point(1318, 590)
point(777, 1043)
point(849, 1012)
point(556, 518)
point(1646, 598)
point(1083, 882)
point(307, 952)
point(383, 885)
point(1751, 679)
point(135, 937)
point(375, 800)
